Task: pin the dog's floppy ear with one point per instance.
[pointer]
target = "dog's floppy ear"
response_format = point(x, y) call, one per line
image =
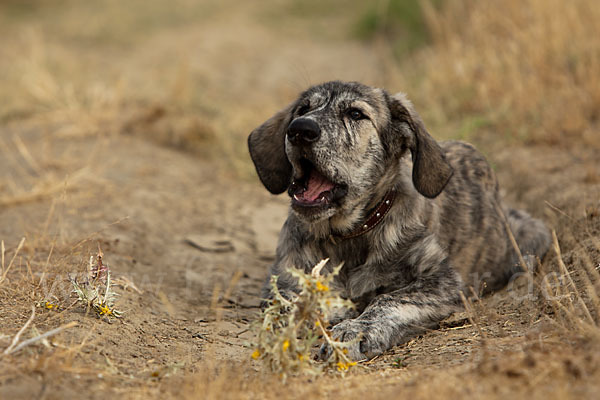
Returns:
point(267, 150)
point(431, 171)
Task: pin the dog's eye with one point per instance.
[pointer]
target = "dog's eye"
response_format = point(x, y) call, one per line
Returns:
point(355, 114)
point(303, 109)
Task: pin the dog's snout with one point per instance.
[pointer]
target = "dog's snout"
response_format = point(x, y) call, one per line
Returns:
point(303, 130)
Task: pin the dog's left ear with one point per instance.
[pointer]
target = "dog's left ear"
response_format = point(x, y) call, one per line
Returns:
point(431, 171)
point(267, 150)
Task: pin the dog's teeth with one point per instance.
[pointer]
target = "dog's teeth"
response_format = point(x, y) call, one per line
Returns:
point(296, 197)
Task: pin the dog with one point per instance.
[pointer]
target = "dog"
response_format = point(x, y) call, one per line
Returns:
point(415, 222)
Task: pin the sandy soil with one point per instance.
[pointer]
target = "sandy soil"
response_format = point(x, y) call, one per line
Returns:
point(196, 244)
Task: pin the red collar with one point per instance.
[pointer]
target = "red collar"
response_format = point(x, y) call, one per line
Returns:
point(375, 217)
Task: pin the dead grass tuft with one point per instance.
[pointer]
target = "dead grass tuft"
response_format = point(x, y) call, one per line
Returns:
point(527, 69)
point(574, 293)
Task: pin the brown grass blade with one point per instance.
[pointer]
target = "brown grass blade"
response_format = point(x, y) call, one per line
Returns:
point(5, 270)
point(566, 272)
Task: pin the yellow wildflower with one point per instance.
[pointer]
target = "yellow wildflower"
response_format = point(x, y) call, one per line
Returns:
point(317, 323)
point(344, 366)
point(105, 310)
point(256, 354)
point(286, 344)
point(321, 287)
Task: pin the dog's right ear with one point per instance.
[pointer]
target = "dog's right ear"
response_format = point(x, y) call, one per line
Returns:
point(267, 150)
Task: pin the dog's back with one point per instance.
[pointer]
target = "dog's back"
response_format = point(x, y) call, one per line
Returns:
point(472, 223)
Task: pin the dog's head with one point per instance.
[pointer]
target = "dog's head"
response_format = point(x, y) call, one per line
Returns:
point(332, 146)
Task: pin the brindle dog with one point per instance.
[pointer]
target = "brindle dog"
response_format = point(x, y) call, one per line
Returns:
point(414, 221)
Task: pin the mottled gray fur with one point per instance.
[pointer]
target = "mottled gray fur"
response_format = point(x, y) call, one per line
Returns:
point(445, 231)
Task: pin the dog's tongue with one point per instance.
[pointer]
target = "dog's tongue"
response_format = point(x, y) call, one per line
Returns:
point(316, 185)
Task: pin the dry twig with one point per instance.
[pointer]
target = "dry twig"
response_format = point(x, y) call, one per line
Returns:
point(15, 340)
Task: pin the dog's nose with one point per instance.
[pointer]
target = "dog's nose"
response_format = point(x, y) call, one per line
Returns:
point(303, 130)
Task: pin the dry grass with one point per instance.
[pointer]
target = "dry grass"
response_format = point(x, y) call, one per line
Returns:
point(576, 305)
point(524, 70)
point(527, 70)
point(70, 73)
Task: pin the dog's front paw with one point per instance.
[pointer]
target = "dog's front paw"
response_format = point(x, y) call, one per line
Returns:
point(364, 344)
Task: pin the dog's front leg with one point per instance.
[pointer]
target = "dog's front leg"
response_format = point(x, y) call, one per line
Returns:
point(395, 317)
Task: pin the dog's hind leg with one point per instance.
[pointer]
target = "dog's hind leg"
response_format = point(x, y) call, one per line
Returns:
point(532, 237)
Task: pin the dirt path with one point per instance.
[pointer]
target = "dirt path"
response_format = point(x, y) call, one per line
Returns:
point(176, 229)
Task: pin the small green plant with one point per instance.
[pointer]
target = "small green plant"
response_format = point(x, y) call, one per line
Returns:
point(400, 362)
point(291, 328)
point(95, 291)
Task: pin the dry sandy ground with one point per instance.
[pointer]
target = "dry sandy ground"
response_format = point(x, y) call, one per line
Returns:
point(195, 240)
point(144, 204)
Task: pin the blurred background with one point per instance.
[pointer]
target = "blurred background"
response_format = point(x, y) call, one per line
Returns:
point(199, 75)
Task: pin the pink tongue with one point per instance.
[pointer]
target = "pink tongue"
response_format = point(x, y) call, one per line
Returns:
point(317, 184)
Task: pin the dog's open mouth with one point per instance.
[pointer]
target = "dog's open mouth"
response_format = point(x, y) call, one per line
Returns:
point(314, 189)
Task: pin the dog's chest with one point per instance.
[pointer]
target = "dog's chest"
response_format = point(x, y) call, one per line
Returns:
point(357, 275)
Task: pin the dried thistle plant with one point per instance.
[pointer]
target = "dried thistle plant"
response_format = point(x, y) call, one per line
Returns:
point(95, 291)
point(291, 328)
